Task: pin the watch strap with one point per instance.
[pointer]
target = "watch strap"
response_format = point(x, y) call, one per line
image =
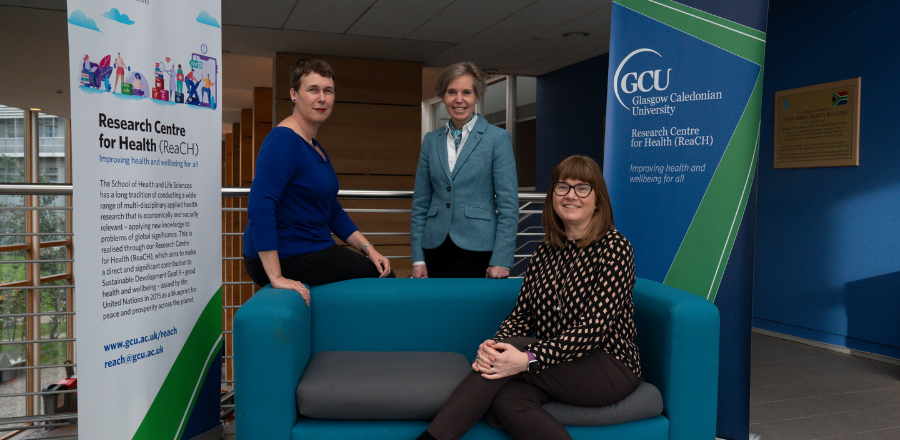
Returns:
point(532, 362)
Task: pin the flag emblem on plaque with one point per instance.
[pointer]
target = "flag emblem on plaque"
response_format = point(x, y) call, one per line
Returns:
point(839, 98)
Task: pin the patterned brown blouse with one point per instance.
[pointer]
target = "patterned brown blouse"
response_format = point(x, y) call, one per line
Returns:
point(578, 300)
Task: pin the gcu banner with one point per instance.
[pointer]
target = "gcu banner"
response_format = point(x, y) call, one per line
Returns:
point(681, 152)
point(146, 149)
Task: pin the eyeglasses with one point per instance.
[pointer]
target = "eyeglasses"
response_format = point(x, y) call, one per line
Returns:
point(581, 190)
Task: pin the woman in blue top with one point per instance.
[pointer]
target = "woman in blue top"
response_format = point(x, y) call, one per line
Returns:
point(293, 207)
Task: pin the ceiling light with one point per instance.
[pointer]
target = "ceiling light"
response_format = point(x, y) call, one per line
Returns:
point(575, 34)
point(35, 109)
point(490, 70)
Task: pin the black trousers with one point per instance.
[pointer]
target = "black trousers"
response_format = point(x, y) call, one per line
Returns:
point(451, 261)
point(332, 264)
point(596, 379)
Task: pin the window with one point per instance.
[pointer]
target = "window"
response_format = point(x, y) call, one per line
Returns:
point(494, 103)
point(12, 122)
point(49, 127)
point(14, 128)
point(52, 149)
point(35, 249)
point(12, 145)
point(440, 115)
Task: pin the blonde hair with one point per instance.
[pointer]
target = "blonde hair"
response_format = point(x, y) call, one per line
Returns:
point(584, 169)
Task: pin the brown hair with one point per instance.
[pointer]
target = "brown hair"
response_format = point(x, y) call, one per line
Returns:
point(581, 168)
point(457, 70)
point(306, 66)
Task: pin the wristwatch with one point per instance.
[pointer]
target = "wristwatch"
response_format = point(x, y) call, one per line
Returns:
point(533, 366)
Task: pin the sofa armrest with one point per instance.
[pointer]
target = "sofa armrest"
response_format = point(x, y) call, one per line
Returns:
point(271, 351)
point(678, 338)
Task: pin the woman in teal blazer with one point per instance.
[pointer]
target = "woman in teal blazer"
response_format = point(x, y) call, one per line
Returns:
point(466, 200)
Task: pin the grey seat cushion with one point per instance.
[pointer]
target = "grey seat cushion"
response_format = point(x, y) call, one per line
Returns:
point(379, 385)
point(644, 402)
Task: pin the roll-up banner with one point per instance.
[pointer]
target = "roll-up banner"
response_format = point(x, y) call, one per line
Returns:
point(146, 156)
point(680, 161)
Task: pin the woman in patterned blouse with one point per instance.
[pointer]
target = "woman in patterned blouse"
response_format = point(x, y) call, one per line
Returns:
point(576, 300)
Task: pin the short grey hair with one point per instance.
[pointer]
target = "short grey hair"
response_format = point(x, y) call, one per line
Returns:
point(457, 70)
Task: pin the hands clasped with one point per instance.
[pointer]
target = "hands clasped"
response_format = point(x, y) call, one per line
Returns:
point(496, 360)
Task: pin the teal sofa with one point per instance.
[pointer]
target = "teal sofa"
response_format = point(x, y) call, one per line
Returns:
point(275, 335)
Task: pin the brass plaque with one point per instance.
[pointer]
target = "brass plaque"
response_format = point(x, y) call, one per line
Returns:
point(818, 126)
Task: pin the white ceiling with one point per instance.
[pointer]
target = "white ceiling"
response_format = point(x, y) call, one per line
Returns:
point(523, 37)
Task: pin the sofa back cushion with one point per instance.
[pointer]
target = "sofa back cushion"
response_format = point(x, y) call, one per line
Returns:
point(375, 314)
point(385, 385)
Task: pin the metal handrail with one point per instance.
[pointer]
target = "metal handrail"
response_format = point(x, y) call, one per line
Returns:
point(37, 234)
point(36, 341)
point(36, 208)
point(41, 393)
point(22, 315)
point(43, 286)
point(36, 420)
point(37, 367)
point(65, 189)
point(36, 261)
point(36, 189)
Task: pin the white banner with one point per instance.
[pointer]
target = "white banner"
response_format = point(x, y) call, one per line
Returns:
point(146, 155)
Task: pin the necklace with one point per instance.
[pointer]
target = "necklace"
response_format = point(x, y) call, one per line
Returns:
point(311, 141)
point(564, 281)
point(303, 135)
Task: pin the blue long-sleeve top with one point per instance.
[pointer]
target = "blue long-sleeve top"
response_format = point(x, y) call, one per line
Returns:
point(293, 205)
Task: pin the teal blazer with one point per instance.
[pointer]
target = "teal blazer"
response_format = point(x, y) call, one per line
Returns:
point(477, 204)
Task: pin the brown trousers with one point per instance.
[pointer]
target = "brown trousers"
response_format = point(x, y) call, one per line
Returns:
point(596, 379)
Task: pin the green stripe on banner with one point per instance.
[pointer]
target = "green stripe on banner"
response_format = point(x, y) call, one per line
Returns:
point(176, 398)
point(703, 255)
point(738, 39)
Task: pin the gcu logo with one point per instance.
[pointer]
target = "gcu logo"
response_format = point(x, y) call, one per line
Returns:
point(645, 81)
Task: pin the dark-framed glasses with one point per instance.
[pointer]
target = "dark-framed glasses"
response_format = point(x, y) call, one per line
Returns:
point(581, 190)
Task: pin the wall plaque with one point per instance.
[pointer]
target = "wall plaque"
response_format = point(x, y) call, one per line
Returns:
point(818, 126)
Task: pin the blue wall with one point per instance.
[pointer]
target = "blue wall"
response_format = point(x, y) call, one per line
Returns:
point(827, 257)
point(571, 104)
point(827, 264)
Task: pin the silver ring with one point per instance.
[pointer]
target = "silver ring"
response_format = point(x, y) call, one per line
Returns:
point(492, 368)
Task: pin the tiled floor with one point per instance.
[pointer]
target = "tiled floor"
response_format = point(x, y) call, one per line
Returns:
point(799, 392)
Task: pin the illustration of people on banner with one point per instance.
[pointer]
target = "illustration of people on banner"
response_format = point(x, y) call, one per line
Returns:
point(168, 79)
